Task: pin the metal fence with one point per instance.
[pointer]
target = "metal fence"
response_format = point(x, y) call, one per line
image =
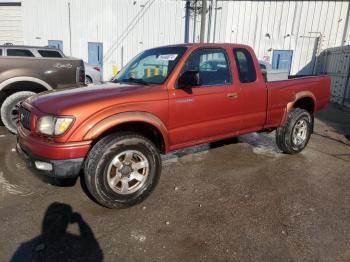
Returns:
point(335, 62)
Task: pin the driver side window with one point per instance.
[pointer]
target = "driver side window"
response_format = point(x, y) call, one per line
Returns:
point(212, 65)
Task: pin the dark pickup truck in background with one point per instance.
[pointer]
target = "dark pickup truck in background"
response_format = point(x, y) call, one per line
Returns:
point(165, 99)
point(26, 70)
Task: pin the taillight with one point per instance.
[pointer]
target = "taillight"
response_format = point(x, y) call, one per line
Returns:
point(97, 68)
point(82, 76)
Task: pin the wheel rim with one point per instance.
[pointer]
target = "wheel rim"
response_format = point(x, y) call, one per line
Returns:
point(300, 132)
point(127, 172)
point(88, 81)
point(14, 114)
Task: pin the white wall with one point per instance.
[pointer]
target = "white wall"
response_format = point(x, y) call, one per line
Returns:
point(140, 24)
point(289, 24)
point(134, 24)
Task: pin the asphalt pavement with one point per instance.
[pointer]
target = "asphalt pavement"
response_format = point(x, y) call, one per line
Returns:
point(234, 200)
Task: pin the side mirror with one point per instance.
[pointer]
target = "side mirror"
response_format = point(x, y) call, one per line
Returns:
point(188, 79)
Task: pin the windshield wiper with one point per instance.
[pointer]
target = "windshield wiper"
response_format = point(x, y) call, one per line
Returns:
point(132, 80)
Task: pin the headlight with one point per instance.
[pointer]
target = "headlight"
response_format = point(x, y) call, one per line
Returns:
point(46, 125)
point(50, 125)
point(62, 124)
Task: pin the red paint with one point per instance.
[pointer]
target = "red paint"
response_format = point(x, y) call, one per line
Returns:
point(183, 118)
point(50, 150)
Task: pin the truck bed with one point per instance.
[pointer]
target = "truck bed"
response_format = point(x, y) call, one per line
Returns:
point(281, 93)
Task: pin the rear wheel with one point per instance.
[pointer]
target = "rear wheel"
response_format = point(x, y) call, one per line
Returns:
point(122, 169)
point(295, 134)
point(9, 109)
point(88, 80)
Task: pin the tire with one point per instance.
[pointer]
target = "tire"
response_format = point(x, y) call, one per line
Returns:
point(88, 80)
point(126, 151)
point(9, 109)
point(293, 137)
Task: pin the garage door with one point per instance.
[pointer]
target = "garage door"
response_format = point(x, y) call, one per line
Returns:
point(11, 27)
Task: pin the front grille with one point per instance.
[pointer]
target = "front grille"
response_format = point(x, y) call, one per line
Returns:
point(24, 118)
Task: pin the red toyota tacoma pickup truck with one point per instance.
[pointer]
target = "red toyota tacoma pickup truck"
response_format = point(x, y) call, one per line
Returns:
point(166, 98)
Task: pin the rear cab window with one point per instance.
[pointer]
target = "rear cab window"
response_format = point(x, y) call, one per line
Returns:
point(19, 52)
point(50, 53)
point(245, 65)
point(0, 52)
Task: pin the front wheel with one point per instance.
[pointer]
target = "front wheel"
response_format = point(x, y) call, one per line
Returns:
point(9, 109)
point(122, 169)
point(295, 134)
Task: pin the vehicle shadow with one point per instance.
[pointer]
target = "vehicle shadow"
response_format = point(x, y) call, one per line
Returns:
point(59, 182)
point(256, 140)
point(200, 148)
point(56, 244)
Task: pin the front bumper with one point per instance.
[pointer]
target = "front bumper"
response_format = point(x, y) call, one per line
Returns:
point(51, 158)
point(50, 150)
point(68, 168)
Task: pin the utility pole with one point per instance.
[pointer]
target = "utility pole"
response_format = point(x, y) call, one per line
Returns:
point(70, 31)
point(209, 20)
point(203, 15)
point(187, 21)
point(194, 21)
point(215, 15)
point(122, 56)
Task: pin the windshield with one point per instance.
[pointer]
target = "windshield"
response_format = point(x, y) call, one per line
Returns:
point(151, 66)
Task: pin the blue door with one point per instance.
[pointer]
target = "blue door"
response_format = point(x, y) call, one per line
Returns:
point(282, 59)
point(95, 54)
point(56, 43)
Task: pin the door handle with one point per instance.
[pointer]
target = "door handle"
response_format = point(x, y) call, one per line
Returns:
point(232, 95)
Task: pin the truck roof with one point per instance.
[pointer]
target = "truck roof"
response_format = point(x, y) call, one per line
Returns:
point(28, 46)
point(209, 45)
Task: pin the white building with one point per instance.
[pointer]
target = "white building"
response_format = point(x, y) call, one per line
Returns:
point(284, 33)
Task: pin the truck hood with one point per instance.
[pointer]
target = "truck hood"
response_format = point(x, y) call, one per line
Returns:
point(83, 100)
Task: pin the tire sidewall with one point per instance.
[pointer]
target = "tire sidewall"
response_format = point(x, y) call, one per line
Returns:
point(7, 106)
point(113, 148)
point(302, 115)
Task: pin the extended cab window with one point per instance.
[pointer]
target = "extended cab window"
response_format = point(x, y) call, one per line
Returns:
point(212, 65)
point(0, 52)
point(245, 65)
point(19, 52)
point(49, 53)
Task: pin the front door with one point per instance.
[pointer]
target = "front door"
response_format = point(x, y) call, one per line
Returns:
point(208, 110)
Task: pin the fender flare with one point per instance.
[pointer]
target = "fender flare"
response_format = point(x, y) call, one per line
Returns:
point(298, 96)
point(24, 78)
point(122, 118)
